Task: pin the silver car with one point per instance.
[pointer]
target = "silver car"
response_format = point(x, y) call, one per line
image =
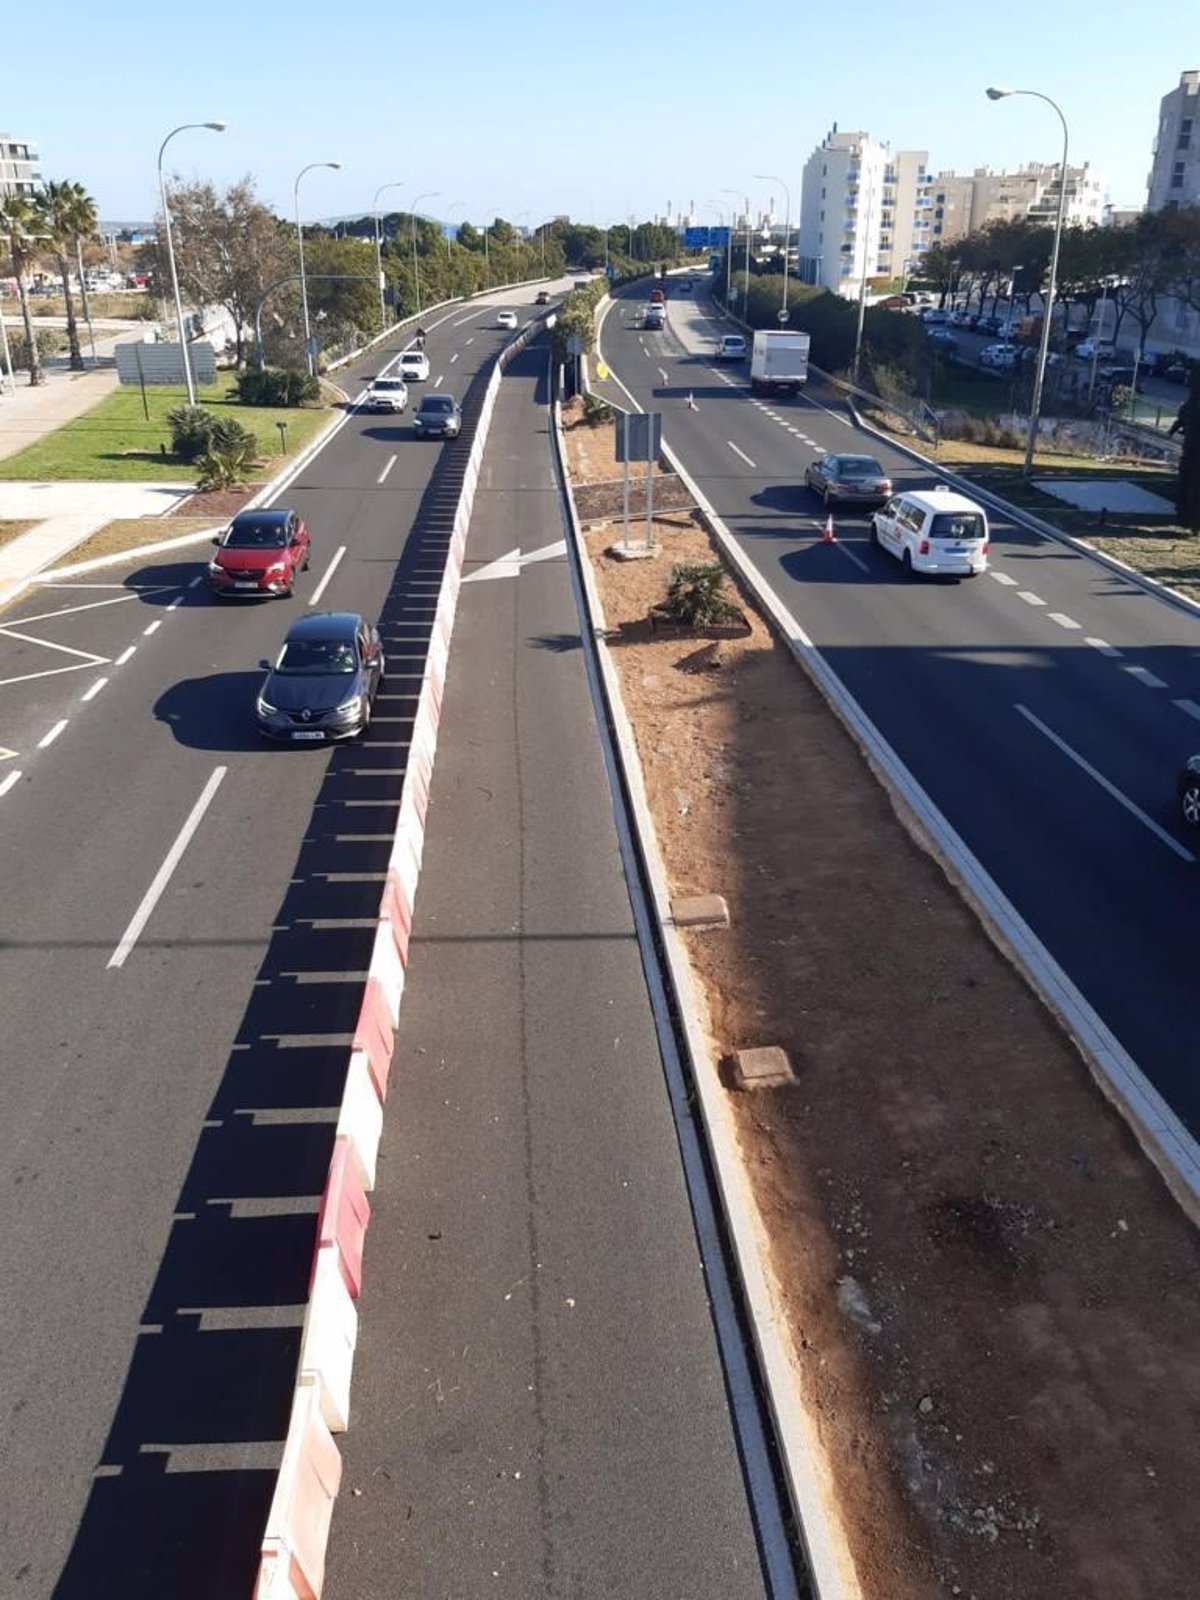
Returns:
point(387, 394)
point(849, 480)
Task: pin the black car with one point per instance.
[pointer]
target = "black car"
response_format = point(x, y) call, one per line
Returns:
point(324, 681)
point(1187, 787)
point(439, 416)
point(848, 480)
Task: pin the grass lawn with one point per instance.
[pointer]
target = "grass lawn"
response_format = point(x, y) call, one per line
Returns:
point(114, 442)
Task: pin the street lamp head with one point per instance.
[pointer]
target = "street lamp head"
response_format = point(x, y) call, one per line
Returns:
point(217, 127)
point(999, 94)
point(336, 165)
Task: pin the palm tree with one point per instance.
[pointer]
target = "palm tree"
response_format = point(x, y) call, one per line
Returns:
point(69, 215)
point(20, 226)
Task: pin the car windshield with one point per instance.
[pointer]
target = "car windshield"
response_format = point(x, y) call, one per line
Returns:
point(317, 656)
point(256, 536)
point(389, 383)
point(858, 467)
point(411, 358)
point(957, 525)
point(437, 403)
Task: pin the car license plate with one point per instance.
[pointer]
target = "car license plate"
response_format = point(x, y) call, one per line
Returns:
point(307, 733)
point(245, 583)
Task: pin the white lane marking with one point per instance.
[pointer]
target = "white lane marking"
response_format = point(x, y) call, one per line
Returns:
point(471, 340)
point(92, 605)
point(49, 644)
point(91, 693)
point(437, 382)
point(857, 560)
point(462, 321)
point(329, 572)
point(48, 739)
point(454, 357)
point(151, 627)
point(663, 375)
point(388, 465)
point(1145, 676)
point(1190, 706)
point(195, 581)
point(1107, 785)
point(125, 656)
point(1063, 620)
point(5, 752)
point(1029, 598)
point(1104, 647)
point(741, 453)
point(162, 877)
point(176, 603)
point(1002, 577)
point(10, 782)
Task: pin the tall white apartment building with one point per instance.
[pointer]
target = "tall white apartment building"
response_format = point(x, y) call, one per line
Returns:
point(1175, 175)
point(19, 172)
point(863, 211)
point(1031, 194)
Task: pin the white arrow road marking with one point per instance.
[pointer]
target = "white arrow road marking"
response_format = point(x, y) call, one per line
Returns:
point(1107, 785)
point(509, 566)
point(6, 753)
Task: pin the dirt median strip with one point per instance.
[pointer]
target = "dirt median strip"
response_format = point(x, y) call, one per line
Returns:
point(990, 1298)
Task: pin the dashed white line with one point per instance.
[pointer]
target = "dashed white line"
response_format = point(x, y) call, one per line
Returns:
point(462, 321)
point(1002, 577)
point(162, 877)
point(329, 572)
point(1190, 706)
point(741, 453)
point(151, 627)
point(91, 693)
point(8, 783)
point(1029, 598)
point(387, 467)
point(1145, 676)
point(1104, 647)
point(1107, 785)
point(125, 656)
point(437, 382)
point(48, 739)
point(663, 375)
point(176, 603)
point(1063, 620)
point(194, 582)
point(454, 357)
point(471, 340)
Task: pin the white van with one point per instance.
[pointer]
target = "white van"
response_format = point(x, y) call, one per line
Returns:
point(933, 530)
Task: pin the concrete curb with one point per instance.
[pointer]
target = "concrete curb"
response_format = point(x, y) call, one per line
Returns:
point(297, 1531)
point(97, 563)
point(829, 1560)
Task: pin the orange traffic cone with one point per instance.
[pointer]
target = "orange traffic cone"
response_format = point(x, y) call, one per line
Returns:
point(829, 537)
point(691, 402)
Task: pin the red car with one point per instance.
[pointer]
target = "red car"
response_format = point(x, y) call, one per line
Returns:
point(259, 554)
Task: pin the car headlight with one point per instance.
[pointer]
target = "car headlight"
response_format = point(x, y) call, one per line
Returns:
point(276, 569)
point(215, 568)
point(264, 707)
point(351, 707)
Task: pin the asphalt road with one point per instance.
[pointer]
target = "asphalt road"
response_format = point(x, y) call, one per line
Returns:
point(1045, 706)
point(168, 1119)
point(539, 1403)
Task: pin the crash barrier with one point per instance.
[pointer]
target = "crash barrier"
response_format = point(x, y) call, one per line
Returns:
point(292, 1555)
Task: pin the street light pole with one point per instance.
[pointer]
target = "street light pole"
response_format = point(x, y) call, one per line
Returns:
point(862, 288)
point(429, 194)
point(308, 350)
point(1035, 408)
point(215, 127)
point(379, 251)
point(767, 177)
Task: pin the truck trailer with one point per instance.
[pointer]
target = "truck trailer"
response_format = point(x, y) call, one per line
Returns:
point(779, 361)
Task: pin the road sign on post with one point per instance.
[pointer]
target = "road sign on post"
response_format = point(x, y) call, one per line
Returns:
point(639, 436)
point(783, 314)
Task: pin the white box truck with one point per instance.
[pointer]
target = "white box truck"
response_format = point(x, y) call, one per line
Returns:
point(779, 361)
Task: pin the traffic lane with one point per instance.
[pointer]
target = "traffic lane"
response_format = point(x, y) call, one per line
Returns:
point(536, 1383)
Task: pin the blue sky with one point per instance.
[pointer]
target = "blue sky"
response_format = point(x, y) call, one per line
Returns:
point(600, 111)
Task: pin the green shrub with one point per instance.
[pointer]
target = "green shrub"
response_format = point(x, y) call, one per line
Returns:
point(277, 386)
point(695, 598)
point(226, 464)
point(596, 411)
point(192, 430)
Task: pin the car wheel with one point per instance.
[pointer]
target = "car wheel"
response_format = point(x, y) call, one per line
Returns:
point(907, 564)
point(1189, 801)
point(307, 561)
point(828, 498)
point(873, 534)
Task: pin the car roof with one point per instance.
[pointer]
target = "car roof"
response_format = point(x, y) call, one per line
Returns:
point(277, 515)
point(941, 499)
point(325, 625)
point(437, 401)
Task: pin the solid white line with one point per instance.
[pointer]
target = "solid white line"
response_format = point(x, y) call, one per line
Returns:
point(391, 462)
point(1190, 706)
point(48, 739)
point(161, 878)
point(10, 782)
point(329, 572)
point(1002, 577)
point(1108, 786)
point(741, 453)
point(94, 690)
point(125, 656)
point(176, 603)
point(1145, 676)
point(152, 627)
point(857, 560)
point(1104, 647)
point(1029, 598)
point(49, 644)
point(195, 581)
point(1064, 621)
point(454, 358)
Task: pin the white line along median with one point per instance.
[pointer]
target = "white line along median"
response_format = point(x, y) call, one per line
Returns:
point(163, 876)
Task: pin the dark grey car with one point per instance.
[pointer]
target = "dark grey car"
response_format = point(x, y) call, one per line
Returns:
point(849, 480)
point(439, 416)
point(324, 682)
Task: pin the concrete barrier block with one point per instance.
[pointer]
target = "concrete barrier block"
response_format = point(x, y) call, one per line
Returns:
point(375, 1036)
point(388, 970)
point(342, 1220)
point(328, 1340)
point(292, 1559)
point(395, 909)
point(360, 1119)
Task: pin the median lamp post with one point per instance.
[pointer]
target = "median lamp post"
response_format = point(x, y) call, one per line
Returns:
point(379, 250)
point(1048, 303)
point(862, 287)
point(429, 194)
point(746, 220)
point(308, 349)
point(767, 177)
point(214, 127)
